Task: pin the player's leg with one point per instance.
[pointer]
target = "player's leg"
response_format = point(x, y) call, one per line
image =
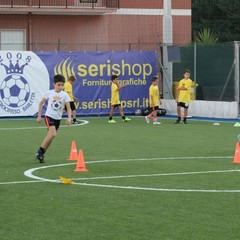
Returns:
point(74, 113)
point(110, 120)
point(185, 113)
point(178, 113)
point(125, 119)
point(149, 116)
point(154, 114)
point(52, 126)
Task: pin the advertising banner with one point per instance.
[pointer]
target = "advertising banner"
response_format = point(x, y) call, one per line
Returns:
point(25, 76)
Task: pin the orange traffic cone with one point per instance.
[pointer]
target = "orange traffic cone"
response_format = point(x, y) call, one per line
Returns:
point(237, 153)
point(73, 152)
point(80, 163)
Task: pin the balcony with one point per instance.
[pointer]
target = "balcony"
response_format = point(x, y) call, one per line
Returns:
point(59, 7)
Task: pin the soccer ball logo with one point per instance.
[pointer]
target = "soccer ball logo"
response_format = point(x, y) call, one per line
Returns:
point(56, 105)
point(138, 112)
point(15, 91)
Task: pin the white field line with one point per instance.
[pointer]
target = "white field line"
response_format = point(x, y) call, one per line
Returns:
point(29, 173)
point(40, 127)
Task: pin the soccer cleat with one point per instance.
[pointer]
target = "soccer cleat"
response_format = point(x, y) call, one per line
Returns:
point(76, 122)
point(127, 120)
point(156, 123)
point(112, 121)
point(40, 157)
point(147, 119)
point(178, 121)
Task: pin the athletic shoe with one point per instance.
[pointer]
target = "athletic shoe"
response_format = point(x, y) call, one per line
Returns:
point(127, 120)
point(40, 157)
point(76, 122)
point(147, 119)
point(156, 123)
point(112, 121)
point(178, 121)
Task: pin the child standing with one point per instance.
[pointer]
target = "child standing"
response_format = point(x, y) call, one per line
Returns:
point(69, 90)
point(155, 100)
point(183, 96)
point(57, 99)
point(115, 100)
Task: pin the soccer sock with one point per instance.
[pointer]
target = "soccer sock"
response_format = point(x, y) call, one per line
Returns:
point(110, 118)
point(42, 150)
point(74, 119)
point(179, 117)
point(184, 119)
point(154, 119)
point(123, 117)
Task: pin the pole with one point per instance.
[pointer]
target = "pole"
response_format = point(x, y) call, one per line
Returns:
point(236, 75)
point(167, 41)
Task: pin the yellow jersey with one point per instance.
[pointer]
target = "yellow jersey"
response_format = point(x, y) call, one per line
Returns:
point(184, 95)
point(68, 89)
point(154, 95)
point(115, 99)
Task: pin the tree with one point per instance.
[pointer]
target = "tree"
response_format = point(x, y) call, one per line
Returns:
point(220, 16)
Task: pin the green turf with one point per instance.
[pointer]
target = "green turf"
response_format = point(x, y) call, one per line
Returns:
point(131, 190)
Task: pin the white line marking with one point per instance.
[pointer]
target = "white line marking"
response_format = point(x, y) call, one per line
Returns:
point(157, 175)
point(40, 127)
point(29, 173)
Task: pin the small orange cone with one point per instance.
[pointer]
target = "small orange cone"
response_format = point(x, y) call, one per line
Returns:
point(80, 163)
point(73, 152)
point(237, 153)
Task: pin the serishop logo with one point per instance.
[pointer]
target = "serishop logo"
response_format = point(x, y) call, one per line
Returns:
point(15, 90)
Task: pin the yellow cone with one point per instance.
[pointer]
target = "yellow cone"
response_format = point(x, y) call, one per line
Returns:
point(66, 180)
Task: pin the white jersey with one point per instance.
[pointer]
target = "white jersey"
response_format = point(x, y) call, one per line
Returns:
point(56, 103)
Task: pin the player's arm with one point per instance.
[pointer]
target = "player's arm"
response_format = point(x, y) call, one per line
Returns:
point(76, 99)
point(40, 106)
point(120, 86)
point(69, 112)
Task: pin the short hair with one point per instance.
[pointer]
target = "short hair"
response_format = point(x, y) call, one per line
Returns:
point(59, 78)
point(154, 78)
point(72, 78)
point(114, 77)
point(187, 71)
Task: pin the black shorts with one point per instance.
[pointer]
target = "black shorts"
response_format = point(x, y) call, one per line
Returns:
point(182, 104)
point(52, 122)
point(155, 108)
point(116, 105)
point(72, 106)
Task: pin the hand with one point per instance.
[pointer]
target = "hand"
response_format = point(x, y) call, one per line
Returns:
point(39, 119)
point(69, 121)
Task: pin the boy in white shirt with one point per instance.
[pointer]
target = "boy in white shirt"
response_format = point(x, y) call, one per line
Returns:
point(57, 100)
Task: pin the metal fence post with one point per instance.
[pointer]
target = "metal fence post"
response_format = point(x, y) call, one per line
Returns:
point(236, 75)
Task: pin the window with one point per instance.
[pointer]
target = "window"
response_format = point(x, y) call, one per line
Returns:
point(12, 39)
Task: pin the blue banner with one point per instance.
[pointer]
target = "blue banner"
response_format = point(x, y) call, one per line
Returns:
point(26, 76)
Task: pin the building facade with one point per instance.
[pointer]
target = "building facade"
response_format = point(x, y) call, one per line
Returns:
point(76, 25)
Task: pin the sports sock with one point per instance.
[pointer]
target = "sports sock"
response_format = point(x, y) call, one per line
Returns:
point(42, 150)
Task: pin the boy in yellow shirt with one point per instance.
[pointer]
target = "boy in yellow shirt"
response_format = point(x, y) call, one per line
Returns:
point(183, 96)
point(155, 100)
point(69, 90)
point(115, 100)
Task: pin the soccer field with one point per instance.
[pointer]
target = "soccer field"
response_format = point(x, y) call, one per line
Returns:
point(144, 181)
